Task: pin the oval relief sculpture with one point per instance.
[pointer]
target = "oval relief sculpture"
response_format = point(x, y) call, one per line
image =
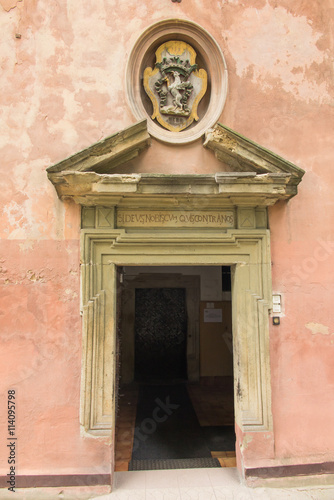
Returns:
point(175, 86)
point(176, 79)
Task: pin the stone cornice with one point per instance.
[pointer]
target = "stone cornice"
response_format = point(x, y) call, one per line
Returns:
point(249, 189)
point(244, 155)
point(260, 178)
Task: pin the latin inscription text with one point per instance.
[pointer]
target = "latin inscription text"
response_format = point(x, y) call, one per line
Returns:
point(155, 218)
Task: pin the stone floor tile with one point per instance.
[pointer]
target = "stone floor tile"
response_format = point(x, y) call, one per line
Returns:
point(188, 478)
point(161, 479)
point(163, 494)
point(242, 493)
point(224, 477)
point(219, 454)
point(132, 480)
point(282, 494)
point(121, 466)
point(202, 493)
point(230, 462)
point(323, 493)
point(65, 493)
point(125, 495)
point(224, 493)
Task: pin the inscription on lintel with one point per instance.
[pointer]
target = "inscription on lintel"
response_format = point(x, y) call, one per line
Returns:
point(175, 218)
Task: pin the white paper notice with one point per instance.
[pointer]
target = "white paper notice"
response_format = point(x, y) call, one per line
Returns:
point(213, 315)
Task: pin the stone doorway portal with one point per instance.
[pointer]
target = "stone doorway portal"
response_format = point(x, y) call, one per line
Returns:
point(247, 251)
point(159, 218)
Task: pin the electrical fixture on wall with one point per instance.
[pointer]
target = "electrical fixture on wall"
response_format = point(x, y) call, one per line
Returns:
point(277, 303)
point(277, 308)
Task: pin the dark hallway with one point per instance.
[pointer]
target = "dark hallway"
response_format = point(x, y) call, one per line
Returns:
point(176, 396)
point(176, 426)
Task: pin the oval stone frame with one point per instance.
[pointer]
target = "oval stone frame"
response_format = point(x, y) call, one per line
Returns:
point(210, 52)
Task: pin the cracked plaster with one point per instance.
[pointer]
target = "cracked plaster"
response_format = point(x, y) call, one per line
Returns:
point(276, 43)
point(55, 81)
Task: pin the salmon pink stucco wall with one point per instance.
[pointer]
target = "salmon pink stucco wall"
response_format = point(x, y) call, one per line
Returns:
point(63, 88)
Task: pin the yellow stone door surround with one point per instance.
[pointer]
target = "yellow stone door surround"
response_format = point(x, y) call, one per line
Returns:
point(177, 220)
point(247, 251)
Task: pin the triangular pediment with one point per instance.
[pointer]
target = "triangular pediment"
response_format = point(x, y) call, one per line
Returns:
point(244, 155)
point(104, 156)
point(258, 177)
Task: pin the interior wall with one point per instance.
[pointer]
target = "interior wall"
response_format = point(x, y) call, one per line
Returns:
point(216, 355)
point(211, 280)
point(216, 350)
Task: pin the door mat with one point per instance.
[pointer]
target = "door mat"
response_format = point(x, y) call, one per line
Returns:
point(188, 463)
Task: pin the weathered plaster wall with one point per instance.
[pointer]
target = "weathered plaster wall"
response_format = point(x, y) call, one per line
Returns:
point(62, 88)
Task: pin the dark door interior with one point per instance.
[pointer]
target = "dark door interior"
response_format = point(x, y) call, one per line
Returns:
point(160, 334)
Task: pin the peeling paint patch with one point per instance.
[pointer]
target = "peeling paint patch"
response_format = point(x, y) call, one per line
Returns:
point(26, 245)
point(318, 328)
point(34, 277)
point(271, 44)
point(247, 440)
point(15, 214)
point(68, 295)
point(8, 5)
